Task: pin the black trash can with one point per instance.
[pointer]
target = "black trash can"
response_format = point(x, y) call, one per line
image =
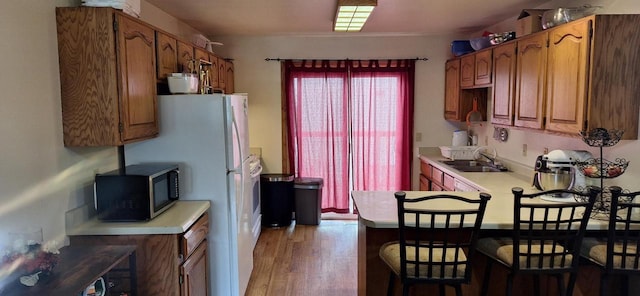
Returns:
point(308, 200)
point(276, 199)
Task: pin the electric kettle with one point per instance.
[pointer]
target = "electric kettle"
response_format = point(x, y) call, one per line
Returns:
point(460, 138)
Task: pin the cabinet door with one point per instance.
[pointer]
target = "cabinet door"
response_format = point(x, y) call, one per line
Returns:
point(185, 55)
point(452, 90)
point(504, 83)
point(137, 60)
point(166, 55)
point(530, 81)
point(229, 86)
point(483, 68)
point(195, 281)
point(214, 76)
point(222, 73)
point(424, 183)
point(569, 48)
point(467, 70)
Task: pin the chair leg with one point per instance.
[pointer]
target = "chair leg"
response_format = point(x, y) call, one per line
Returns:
point(509, 284)
point(573, 277)
point(487, 275)
point(405, 289)
point(603, 284)
point(561, 289)
point(392, 279)
point(458, 290)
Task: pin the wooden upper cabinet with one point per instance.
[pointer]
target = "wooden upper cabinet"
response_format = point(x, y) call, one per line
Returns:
point(136, 46)
point(467, 70)
point(108, 77)
point(614, 84)
point(566, 91)
point(222, 73)
point(475, 69)
point(483, 68)
point(458, 102)
point(185, 55)
point(166, 55)
point(452, 90)
point(214, 76)
point(201, 54)
point(530, 81)
point(229, 79)
point(504, 71)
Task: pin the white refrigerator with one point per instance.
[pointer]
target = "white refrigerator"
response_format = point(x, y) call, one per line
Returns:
point(207, 135)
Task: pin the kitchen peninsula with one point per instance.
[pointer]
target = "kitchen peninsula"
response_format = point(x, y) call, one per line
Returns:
point(378, 223)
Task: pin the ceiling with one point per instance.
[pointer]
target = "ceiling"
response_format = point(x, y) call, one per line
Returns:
point(315, 17)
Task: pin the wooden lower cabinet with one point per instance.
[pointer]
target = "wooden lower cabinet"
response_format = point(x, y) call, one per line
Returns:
point(193, 273)
point(167, 264)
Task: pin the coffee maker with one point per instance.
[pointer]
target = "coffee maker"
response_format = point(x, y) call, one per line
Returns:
point(557, 170)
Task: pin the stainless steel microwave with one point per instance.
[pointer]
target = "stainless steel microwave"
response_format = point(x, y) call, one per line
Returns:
point(136, 192)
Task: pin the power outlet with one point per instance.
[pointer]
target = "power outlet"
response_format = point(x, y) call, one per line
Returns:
point(524, 149)
point(418, 137)
point(486, 140)
point(546, 150)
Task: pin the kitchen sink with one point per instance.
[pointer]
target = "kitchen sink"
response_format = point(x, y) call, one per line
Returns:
point(473, 166)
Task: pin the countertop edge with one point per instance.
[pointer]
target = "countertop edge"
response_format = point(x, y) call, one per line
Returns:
point(176, 219)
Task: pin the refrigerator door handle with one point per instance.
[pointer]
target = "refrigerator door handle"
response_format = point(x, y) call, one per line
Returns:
point(238, 170)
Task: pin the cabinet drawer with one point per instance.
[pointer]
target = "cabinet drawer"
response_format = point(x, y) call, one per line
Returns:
point(448, 182)
point(425, 169)
point(424, 183)
point(196, 234)
point(437, 176)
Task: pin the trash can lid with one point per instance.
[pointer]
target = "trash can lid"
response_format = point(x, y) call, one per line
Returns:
point(277, 177)
point(307, 181)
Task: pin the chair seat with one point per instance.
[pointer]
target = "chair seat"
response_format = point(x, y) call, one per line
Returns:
point(390, 254)
point(596, 250)
point(502, 249)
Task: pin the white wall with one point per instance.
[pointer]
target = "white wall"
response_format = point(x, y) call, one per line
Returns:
point(40, 179)
point(261, 79)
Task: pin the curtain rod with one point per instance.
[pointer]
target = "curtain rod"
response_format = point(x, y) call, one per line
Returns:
point(279, 59)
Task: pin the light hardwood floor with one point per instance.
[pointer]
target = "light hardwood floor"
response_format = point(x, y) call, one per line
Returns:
point(306, 260)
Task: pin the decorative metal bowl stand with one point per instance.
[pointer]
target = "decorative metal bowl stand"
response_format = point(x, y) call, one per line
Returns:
point(601, 168)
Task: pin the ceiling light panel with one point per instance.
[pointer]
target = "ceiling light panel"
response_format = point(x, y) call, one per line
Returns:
point(352, 14)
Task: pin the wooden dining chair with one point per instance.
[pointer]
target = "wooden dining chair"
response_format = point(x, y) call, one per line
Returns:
point(545, 239)
point(619, 253)
point(437, 239)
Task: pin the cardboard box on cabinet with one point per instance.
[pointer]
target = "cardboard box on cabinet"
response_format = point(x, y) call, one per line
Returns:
point(529, 21)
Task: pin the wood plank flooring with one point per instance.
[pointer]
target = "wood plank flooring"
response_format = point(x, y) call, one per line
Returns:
point(306, 260)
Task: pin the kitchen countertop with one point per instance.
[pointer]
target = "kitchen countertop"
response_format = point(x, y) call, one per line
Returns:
point(496, 183)
point(176, 219)
point(377, 209)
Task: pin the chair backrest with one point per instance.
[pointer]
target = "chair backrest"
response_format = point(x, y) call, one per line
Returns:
point(623, 234)
point(547, 235)
point(434, 233)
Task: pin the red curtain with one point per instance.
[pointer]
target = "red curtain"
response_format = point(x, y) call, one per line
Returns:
point(350, 123)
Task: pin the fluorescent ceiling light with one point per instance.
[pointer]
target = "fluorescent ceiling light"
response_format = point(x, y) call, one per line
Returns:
point(352, 14)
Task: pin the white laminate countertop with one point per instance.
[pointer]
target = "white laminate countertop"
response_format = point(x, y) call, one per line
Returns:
point(378, 209)
point(495, 183)
point(174, 220)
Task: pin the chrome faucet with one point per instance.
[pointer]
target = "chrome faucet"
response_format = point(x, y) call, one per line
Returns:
point(491, 160)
